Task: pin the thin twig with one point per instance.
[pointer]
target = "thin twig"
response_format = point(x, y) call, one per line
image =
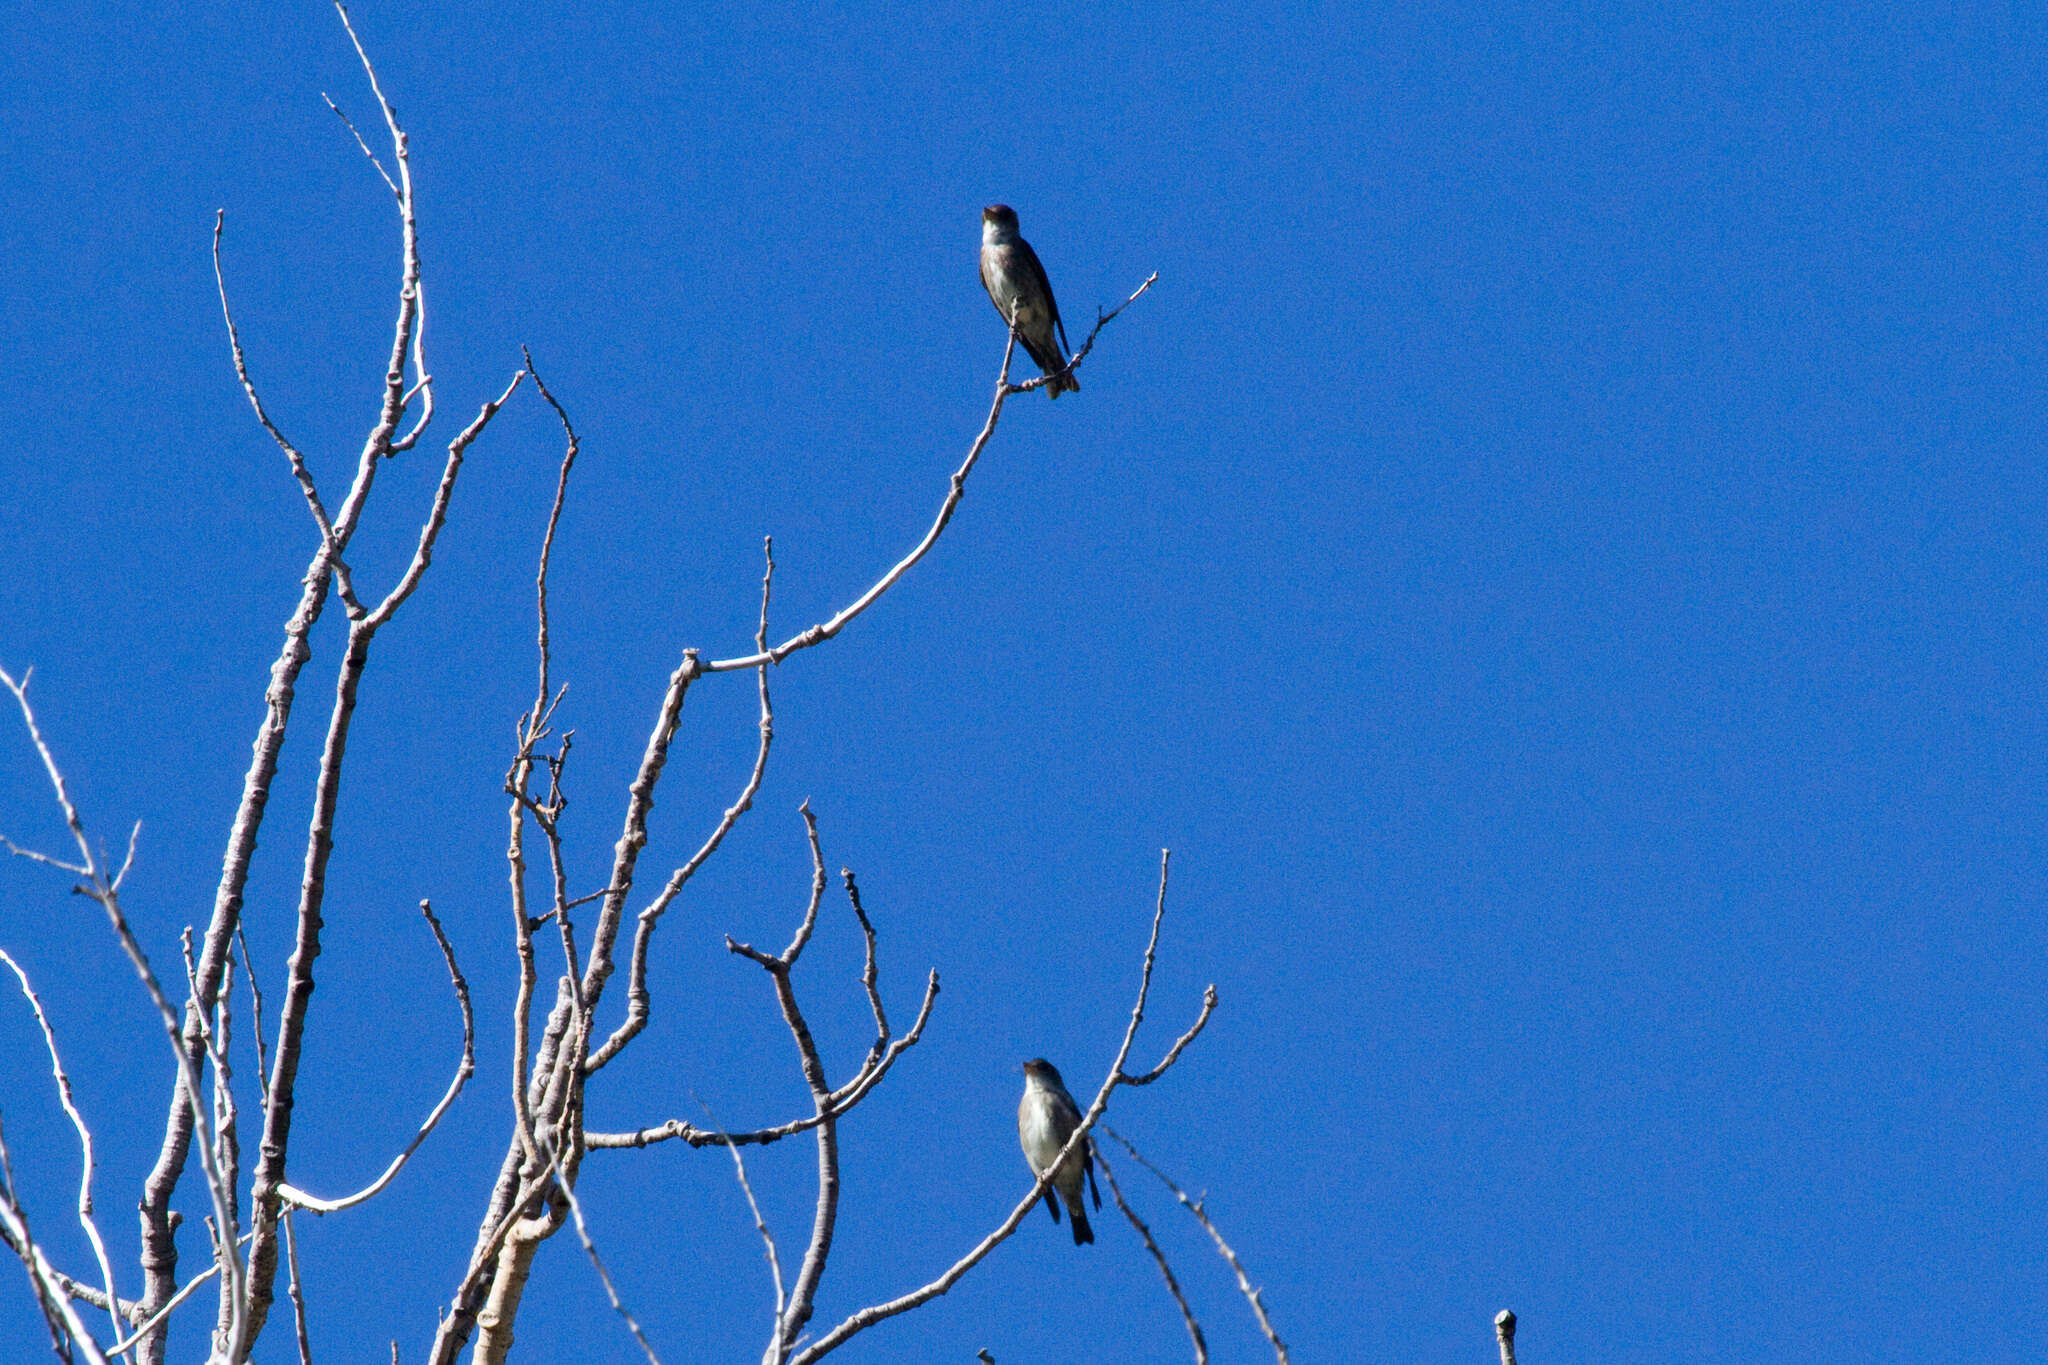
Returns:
point(739, 1166)
point(85, 1215)
point(1255, 1297)
point(810, 1272)
point(293, 1288)
point(1504, 1332)
point(825, 630)
point(292, 452)
point(1145, 1234)
point(597, 1262)
point(639, 1002)
point(389, 183)
point(1102, 320)
point(843, 1099)
point(412, 292)
point(957, 489)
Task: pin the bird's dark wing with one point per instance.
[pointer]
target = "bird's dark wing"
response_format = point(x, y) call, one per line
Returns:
point(1088, 1164)
point(1066, 1115)
point(1052, 304)
point(1052, 1204)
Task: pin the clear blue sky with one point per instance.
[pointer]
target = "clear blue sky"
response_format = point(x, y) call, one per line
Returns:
point(1559, 557)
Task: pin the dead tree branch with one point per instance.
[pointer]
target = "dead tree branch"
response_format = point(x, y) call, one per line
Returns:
point(64, 1096)
point(463, 1072)
point(874, 1313)
point(1255, 1297)
point(739, 1166)
point(825, 630)
point(66, 1329)
point(99, 887)
point(810, 1273)
point(1102, 320)
point(1166, 1271)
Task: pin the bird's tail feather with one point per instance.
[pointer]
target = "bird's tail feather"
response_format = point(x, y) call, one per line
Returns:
point(1083, 1234)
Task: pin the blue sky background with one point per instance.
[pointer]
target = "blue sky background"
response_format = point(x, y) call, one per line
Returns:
point(1559, 557)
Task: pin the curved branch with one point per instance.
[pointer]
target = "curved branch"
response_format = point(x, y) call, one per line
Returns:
point(638, 1002)
point(843, 1099)
point(85, 1217)
point(463, 1072)
point(298, 460)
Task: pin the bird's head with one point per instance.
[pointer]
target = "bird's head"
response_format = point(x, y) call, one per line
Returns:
point(998, 221)
point(1044, 1072)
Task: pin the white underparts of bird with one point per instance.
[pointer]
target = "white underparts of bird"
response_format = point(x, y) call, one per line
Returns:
point(1046, 1117)
point(1018, 288)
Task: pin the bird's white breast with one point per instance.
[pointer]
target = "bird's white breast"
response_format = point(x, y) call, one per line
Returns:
point(1040, 1139)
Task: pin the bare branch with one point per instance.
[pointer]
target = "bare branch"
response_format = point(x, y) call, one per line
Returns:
point(825, 1217)
point(1504, 1331)
point(532, 728)
point(1102, 320)
point(633, 838)
point(297, 1293)
point(869, 978)
point(463, 1072)
point(424, 553)
point(824, 631)
point(66, 1329)
point(157, 1316)
point(100, 889)
point(85, 1215)
point(1145, 1233)
point(739, 1166)
point(638, 1001)
point(597, 1263)
point(1180, 1043)
point(412, 296)
point(1076, 1141)
point(1255, 1297)
point(547, 542)
point(389, 183)
point(292, 453)
point(266, 1191)
point(255, 999)
point(843, 1099)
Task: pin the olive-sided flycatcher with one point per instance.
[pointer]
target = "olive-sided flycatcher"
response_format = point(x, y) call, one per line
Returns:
point(1046, 1118)
point(1017, 286)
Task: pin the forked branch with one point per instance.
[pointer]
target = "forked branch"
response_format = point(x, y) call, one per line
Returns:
point(1197, 1207)
point(874, 1313)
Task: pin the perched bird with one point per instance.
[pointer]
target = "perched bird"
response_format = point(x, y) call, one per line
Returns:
point(1046, 1117)
point(1017, 286)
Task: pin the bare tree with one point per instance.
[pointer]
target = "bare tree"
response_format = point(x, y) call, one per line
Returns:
point(251, 1197)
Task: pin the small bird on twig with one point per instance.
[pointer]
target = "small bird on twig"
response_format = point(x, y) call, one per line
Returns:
point(1046, 1117)
point(1017, 286)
